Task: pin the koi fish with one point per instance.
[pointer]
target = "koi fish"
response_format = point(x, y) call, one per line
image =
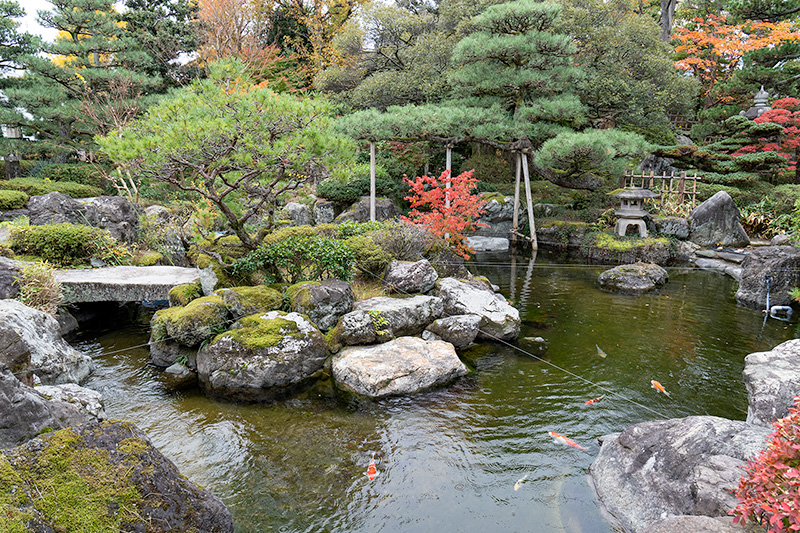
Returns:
point(600, 352)
point(520, 481)
point(658, 386)
point(561, 439)
point(594, 400)
point(372, 471)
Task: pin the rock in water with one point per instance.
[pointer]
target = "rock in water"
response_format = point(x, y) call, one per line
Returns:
point(402, 366)
point(410, 277)
point(773, 380)
point(683, 466)
point(781, 264)
point(716, 222)
point(322, 301)
point(458, 330)
point(382, 318)
point(104, 476)
point(52, 359)
point(637, 277)
point(498, 318)
point(262, 356)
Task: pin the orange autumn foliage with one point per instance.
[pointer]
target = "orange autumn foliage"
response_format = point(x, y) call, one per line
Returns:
point(713, 51)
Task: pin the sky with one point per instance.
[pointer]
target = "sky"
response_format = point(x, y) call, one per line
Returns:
point(29, 24)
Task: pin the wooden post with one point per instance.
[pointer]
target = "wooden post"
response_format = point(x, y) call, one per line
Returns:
point(652, 175)
point(515, 219)
point(694, 189)
point(623, 180)
point(449, 175)
point(372, 192)
point(529, 199)
point(671, 182)
point(682, 187)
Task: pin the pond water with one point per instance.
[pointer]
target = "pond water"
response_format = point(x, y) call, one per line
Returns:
point(449, 459)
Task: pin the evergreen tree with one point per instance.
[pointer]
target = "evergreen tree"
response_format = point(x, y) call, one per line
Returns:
point(93, 78)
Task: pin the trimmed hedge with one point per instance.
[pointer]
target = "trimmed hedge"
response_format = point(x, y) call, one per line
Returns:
point(37, 187)
point(82, 173)
point(12, 200)
point(64, 244)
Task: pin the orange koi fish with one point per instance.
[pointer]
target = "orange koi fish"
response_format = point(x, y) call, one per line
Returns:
point(600, 352)
point(594, 400)
point(372, 471)
point(561, 439)
point(658, 386)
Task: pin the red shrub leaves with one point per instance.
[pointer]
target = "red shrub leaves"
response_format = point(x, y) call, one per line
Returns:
point(450, 223)
point(769, 493)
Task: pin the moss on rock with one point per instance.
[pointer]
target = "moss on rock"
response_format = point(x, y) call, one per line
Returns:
point(243, 301)
point(299, 294)
point(194, 323)
point(185, 293)
point(257, 332)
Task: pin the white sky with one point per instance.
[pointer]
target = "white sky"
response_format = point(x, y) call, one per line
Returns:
point(29, 24)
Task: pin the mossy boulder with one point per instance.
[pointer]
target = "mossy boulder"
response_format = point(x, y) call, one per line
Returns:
point(324, 302)
point(192, 324)
point(609, 248)
point(263, 357)
point(635, 278)
point(184, 293)
point(101, 477)
point(243, 301)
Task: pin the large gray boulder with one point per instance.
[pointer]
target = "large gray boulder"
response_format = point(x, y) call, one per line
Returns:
point(299, 214)
point(192, 324)
point(383, 318)
point(15, 355)
point(140, 485)
point(715, 222)
point(781, 264)
point(458, 330)
point(773, 380)
point(410, 276)
point(402, 366)
point(498, 213)
point(170, 243)
point(684, 466)
point(9, 272)
point(323, 212)
point(87, 401)
point(499, 320)
point(114, 213)
point(322, 301)
point(385, 209)
point(24, 413)
point(262, 357)
point(635, 278)
point(677, 227)
point(53, 360)
point(489, 244)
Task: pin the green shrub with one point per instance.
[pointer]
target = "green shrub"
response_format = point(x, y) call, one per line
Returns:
point(82, 173)
point(491, 168)
point(38, 287)
point(67, 244)
point(36, 187)
point(299, 258)
point(349, 228)
point(369, 257)
point(403, 241)
point(12, 200)
point(25, 167)
point(784, 197)
point(356, 185)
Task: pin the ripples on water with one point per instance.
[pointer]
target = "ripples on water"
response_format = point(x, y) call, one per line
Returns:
point(449, 459)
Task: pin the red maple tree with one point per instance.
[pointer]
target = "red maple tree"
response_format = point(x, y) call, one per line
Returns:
point(429, 197)
point(786, 112)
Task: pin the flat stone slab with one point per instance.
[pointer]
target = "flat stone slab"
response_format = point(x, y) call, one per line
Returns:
point(123, 283)
point(488, 244)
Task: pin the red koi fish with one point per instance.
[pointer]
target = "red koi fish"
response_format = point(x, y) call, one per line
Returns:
point(658, 386)
point(594, 400)
point(561, 439)
point(372, 472)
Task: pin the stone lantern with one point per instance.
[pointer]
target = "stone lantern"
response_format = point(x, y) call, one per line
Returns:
point(759, 105)
point(631, 211)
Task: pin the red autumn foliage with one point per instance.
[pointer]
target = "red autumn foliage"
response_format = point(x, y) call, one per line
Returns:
point(448, 223)
point(769, 493)
point(786, 112)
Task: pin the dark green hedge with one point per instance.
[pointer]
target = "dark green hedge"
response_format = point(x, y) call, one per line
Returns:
point(12, 200)
point(36, 187)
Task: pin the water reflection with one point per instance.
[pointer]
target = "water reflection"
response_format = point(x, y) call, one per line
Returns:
point(449, 459)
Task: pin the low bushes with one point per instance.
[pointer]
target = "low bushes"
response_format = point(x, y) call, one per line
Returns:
point(299, 258)
point(36, 187)
point(82, 173)
point(12, 200)
point(67, 244)
point(38, 287)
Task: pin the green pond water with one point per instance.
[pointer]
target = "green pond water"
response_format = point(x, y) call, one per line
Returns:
point(449, 459)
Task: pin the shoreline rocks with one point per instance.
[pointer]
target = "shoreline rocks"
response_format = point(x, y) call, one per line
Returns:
point(772, 379)
point(635, 278)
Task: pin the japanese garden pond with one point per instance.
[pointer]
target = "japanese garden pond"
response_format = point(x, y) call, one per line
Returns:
point(449, 459)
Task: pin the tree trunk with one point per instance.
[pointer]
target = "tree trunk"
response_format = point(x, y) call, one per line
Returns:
point(372, 191)
point(667, 14)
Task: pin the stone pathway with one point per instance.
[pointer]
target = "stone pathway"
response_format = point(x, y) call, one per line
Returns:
point(123, 283)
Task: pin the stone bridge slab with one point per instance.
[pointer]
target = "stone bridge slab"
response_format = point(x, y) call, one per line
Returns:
point(123, 283)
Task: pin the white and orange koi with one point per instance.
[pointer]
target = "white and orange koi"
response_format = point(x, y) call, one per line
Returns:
point(594, 400)
point(520, 481)
point(658, 386)
point(561, 439)
point(600, 351)
point(372, 471)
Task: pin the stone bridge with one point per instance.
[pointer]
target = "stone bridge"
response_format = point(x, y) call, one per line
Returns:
point(123, 283)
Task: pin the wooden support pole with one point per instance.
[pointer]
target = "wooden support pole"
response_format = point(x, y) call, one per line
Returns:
point(682, 187)
point(449, 164)
point(529, 199)
point(372, 191)
point(694, 189)
point(515, 219)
